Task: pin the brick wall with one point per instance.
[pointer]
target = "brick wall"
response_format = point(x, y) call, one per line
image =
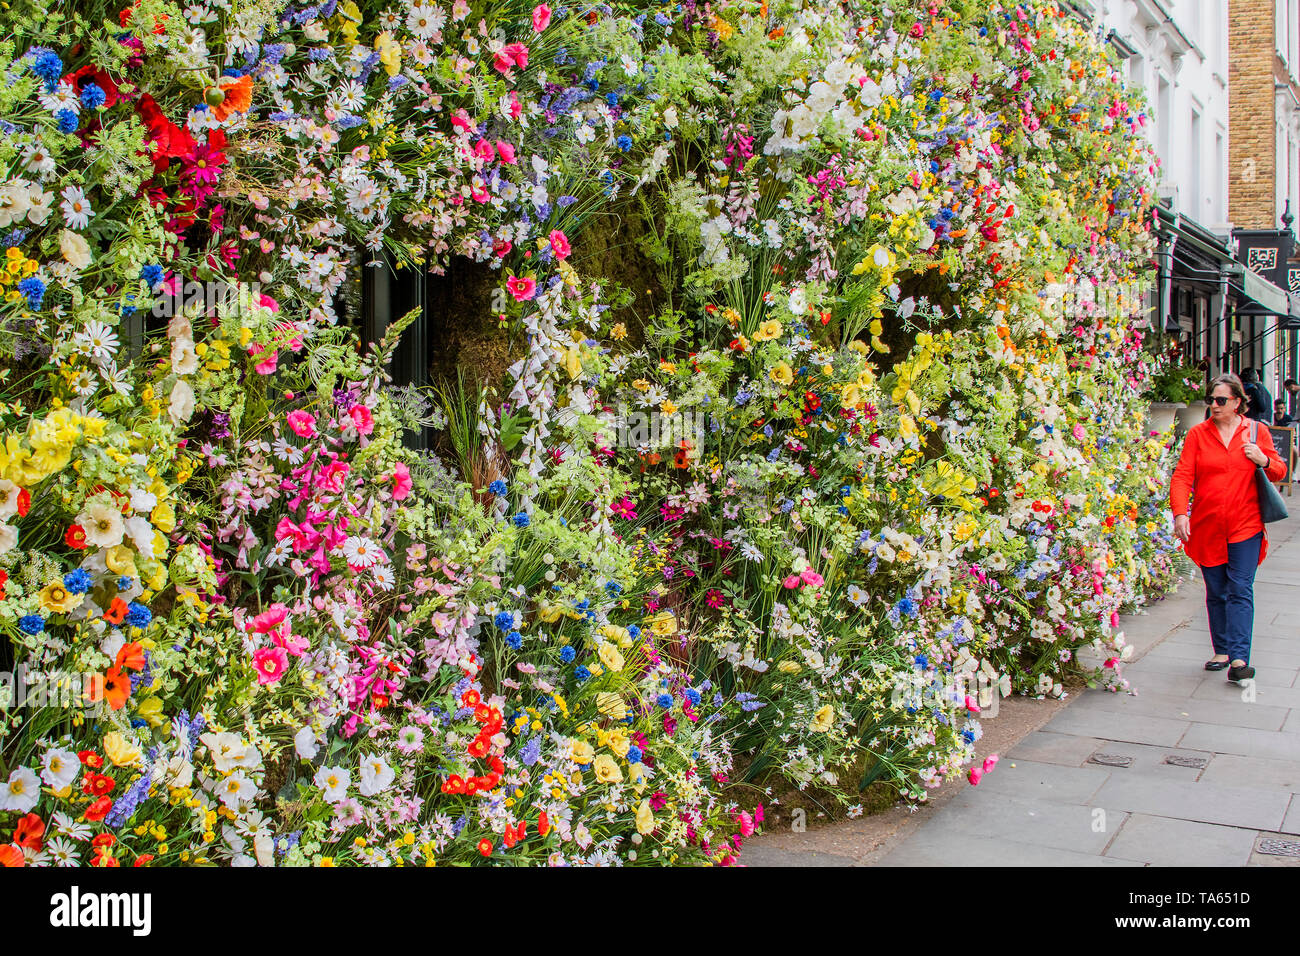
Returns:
point(1252, 167)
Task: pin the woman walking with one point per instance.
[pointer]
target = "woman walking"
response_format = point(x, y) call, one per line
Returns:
point(1222, 531)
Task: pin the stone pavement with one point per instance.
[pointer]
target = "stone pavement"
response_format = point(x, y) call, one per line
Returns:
point(1193, 771)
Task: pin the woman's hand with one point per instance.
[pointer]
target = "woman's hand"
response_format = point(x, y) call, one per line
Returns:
point(1183, 528)
point(1254, 454)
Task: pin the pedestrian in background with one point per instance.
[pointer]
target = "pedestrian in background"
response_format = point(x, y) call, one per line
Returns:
point(1281, 417)
point(1261, 402)
point(1216, 515)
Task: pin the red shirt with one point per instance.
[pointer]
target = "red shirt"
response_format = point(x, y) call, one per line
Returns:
point(1226, 505)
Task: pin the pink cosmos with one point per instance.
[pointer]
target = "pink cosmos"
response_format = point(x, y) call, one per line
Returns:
point(270, 663)
point(362, 419)
point(302, 424)
point(401, 481)
point(521, 288)
point(506, 151)
point(541, 17)
point(560, 244)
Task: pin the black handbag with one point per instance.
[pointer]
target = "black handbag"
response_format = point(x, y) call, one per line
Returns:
point(1271, 506)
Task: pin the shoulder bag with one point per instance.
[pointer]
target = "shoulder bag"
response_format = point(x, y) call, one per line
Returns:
point(1271, 506)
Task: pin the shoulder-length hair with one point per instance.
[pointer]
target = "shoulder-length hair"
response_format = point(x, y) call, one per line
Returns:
point(1234, 385)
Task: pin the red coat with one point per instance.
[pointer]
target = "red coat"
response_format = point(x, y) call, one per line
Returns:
point(1226, 505)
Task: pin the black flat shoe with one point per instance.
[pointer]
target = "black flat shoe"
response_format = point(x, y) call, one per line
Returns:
point(1239, 674)
point(1215, 665)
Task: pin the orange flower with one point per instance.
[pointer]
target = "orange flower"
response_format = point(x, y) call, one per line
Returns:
point(29, 831)
point(113, 686)
point(116, 612)
point(99, 809)
point(130, 655)
point(238, 97)
point(10, 855)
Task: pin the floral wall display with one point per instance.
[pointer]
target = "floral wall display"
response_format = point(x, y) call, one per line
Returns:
point(870, 446)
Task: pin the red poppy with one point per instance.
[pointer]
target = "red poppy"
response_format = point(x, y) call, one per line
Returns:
point(237, 97)
point(99, 809)
point(130, 655)
point(453, 784)
point(543, 824)
point(478, 747)
point(93, 74)
point(166, 140)
point(75, 537)
point(113, 685)
point(24, 502)
point(29, 831)
point(97, 784)
point(116, 612)
point(11, 855)
point(4, 579)
point(104, 858)
point(143, 859)
point(470, 698)
point(509, 838)
point(484, 847)
point(521, 831)
point(90, 759)
point(103, 839)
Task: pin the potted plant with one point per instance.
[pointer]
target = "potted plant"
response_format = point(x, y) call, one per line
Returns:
point(1175, 389)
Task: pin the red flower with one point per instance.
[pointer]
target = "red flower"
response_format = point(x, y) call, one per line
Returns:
point(10, 855)
point(99, 809)
point(485, 846)
point(93, 74)
point(167, 140)
point(29, 831)
point(543, 824)
point(75, 537)
point(90, 759)
point(24, 502)
point(116, 612)
point(103, 840)
point(97, 784)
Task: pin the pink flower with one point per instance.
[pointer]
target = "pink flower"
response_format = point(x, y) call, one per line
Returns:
point(521, 288)
point(483, 150)
point(401, 481)
point(270, 663)
point(541, 17)
point(332, 478)
point(269, 619)
point(362, 419)
point(518, 53)
point(974, 776)
point(302, 424)
point(560, 244)
point(973, 707)
point(267, 365)
point(506, 151)
point(746, 823)
point(811, 577)
point(792, 582)
point(1080, 433)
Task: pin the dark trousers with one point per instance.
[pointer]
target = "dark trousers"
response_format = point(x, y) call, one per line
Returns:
point(1230, 599)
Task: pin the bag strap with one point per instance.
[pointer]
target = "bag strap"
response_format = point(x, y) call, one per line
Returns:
point(1254, 430)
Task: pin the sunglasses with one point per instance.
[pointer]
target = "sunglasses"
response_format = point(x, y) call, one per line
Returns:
point(1219, 400)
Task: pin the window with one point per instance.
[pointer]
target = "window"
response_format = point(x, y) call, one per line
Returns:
point(1198, 201)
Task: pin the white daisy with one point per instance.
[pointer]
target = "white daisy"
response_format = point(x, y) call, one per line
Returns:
point(62, 852)
point(424, 21)
point(361, 552)
point(285, 451)
point(279, 554)
point(334, 781)
point(97, 340)
point(384, 577)
point(76, 207)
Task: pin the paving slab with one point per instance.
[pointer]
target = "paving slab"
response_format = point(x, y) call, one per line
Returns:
point(1291, 824)
point(1043, 781)
point(965, 850)
point(1234, 770)
point(1047, 747)
point(1015, 819)
point(1245, 741)
point(1201, 802)
point(1161, 841)
point(1107, 725)
point(1230, 711)
point(759, 855)
point(1147, 759)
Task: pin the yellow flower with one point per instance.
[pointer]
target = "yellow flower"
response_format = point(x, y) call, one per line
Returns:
point(617, 741)
point(390, 53)
point(607, 770)
point(150, 711)
point(824, 719)
point(120, 560)
point(768, 331)
point(119, 750)
point(663, 624)
point(781, 373)
point(789, 667)
point(611, 705)
point(610, 657)
point(55, 598)
point(645, 818)
point(619, 331)
point(851, 396)
point(163, 517)
point(581, 752)
point(668, 408)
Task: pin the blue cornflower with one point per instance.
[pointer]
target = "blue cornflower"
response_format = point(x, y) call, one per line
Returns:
point(34, 289)
point(152, 275)
point(968, 735)
point(31, 624)
point(92, 96)
point(613, 587)
point(515, 640)
point(137, 615)
point(624, 142)
point(48, 67)
point(634, 754)
point(77, 581)
point(581, 673)
point(498, 487)
point(505, 621)
point(124, 583)
point(693, 696)
point(567, 654)
point(522, 520)
point(633, 631)
point(922, 661)
point(611, 99)
point(664, 700)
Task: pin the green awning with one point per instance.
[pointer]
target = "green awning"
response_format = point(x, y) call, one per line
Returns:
point(1268, 295)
